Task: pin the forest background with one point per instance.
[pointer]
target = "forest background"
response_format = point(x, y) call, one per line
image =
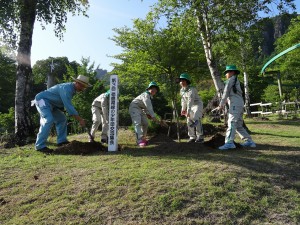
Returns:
point(197, 38)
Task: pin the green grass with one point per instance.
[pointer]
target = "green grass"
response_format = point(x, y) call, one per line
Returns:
point(167, 183)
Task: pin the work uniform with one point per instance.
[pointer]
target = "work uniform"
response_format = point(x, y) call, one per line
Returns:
point(139, 108)
point(236, 109)
point(50, 104)
point(100, 112)
point(193, 105)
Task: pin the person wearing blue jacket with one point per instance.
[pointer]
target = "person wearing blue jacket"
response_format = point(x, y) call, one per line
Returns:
point(50, 104)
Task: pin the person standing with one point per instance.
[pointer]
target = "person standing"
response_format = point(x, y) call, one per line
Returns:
point(140, 109)
point(192, 108)
point(233, 95)
point(100, 112)
point(50, 104)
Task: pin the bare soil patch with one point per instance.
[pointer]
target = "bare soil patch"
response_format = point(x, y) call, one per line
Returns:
point(209, 130)
point(80, 148)
point(214, 138)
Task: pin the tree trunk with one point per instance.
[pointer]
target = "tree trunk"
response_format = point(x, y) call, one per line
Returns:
point(175, 115)
point(23, 124)
point(204, 31)
point(51, 80)
point(247, 97)
point(174, 92)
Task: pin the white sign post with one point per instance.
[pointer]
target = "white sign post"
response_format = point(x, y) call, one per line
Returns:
point(113, 114)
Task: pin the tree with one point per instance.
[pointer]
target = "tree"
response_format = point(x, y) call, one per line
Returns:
point(82, 101)
point(216, 20)
point(160, 54)
point(290, 63)
point(7, 77)
point(17, 23)
point(52, 70)
point(239, 50)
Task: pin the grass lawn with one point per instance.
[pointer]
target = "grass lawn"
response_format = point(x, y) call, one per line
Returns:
point(164, 183)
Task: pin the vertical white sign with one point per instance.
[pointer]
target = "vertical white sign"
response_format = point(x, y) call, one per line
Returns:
point(113, 114)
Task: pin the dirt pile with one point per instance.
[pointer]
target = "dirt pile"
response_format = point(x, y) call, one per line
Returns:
point(80, 148)
point(165, 143)
point(218, 140)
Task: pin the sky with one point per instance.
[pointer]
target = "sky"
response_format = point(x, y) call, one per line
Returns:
point(89, 37)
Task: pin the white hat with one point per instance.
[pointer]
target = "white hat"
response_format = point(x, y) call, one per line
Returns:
point(83, 80)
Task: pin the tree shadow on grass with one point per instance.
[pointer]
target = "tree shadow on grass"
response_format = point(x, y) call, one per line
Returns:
point(291, 122)
point(275, 135)
point(284, 167)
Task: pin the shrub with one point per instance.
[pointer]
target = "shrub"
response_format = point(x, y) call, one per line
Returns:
point(7, 121)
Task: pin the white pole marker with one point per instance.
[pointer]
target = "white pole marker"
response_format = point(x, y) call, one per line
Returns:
point(113, 114)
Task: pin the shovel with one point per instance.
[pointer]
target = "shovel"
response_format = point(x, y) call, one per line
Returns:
point(88, 132)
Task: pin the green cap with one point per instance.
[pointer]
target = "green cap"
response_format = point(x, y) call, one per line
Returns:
point(153, 84)
point(231, 68)
point(185, 76)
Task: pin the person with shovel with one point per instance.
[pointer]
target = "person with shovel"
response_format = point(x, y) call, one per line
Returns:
point(140, 109)
point(100, 112)
point(50, 104)
point(233, 95)
point(191, 108)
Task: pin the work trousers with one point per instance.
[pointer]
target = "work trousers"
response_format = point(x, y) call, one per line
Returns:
point(140, 122)
point(195, 114)
point(99, 117)
point(235, 125)
point(48, 116)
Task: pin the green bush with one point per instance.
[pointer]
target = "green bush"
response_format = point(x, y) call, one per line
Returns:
point(7, 121)
point(207, 95)
point(271, 94)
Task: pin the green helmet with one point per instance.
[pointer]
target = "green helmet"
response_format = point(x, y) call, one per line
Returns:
point(231, 68)
point(185, 76)
point(153, 84)
point(107, 93)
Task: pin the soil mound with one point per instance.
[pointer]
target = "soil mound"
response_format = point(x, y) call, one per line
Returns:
point(218, 140)
point(80, 148)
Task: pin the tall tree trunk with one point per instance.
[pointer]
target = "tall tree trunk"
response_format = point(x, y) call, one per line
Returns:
point(175, 115)
point(23, 124)
point(204, 31)
point(247, 97)
point(174, 92)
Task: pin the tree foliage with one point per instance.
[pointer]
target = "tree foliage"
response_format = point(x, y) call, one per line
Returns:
point(83, 101)
point(8, 80)
point(217, 20)
point(60, 68)
point(160, 54)
point(46, 12)
point(7, 121)
point(17, 19)
point(291, 60)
